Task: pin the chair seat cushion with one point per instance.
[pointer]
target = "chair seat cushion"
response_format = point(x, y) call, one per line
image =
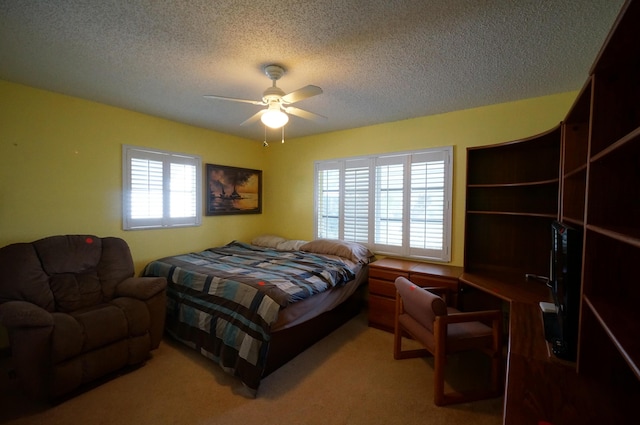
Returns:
point(66, 337)
point(101, 325)
point(86, 330)
point(460, 336)
point(468, 335)
point(137, 314)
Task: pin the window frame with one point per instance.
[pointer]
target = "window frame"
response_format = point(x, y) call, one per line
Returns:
point(437, 155)
point(167, 158)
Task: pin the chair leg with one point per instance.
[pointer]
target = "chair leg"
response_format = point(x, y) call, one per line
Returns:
point(496, 372)
point(439, 360)
point(399, 353)
point(398, 333)
point(441, 398)
point(497, 366)
point(397, 343)
point(438, 379)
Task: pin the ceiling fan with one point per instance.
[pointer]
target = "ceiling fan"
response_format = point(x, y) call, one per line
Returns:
point(277, 102)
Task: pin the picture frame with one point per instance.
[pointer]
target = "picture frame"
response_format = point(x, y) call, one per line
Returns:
point(233, 190)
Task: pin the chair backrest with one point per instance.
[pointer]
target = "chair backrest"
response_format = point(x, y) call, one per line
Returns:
point(64, 273)
point(419, 303)
point(71, 263)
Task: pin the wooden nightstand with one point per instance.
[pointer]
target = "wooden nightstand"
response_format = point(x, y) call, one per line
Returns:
point(382, 292)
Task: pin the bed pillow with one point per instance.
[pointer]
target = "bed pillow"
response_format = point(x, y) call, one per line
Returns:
point(351, 250)
point(290, 245)
point(267, 241)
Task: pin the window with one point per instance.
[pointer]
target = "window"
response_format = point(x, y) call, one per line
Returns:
point(396, 204)
point(160, 188)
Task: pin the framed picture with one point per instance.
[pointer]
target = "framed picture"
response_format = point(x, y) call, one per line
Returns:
point(233, 190)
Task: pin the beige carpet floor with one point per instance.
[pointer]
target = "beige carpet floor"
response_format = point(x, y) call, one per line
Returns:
point(349, 378)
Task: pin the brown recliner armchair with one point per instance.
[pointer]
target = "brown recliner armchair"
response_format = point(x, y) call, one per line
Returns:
point(74, 311)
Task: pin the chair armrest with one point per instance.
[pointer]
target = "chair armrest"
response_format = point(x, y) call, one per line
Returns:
point(443, 292)
point(141, 288)
point(472, 316)
point(23, 314)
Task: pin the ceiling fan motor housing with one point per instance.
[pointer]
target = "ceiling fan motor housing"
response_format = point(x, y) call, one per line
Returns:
point(272, 94)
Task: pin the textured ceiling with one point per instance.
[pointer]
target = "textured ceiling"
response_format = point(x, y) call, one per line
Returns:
point(376, 60)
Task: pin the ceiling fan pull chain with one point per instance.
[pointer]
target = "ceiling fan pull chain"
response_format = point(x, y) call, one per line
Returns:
point(282, 134)
point(265, 144)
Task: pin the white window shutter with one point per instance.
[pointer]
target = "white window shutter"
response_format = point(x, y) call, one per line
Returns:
point(396, 204)
point(160, 189)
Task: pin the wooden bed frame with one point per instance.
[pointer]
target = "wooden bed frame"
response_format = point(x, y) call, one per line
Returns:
point(288, 343)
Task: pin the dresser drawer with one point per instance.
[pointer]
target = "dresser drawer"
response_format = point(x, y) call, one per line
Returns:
point(385, 274)
point(431, 280)
point(384, 288)
point(382, 312)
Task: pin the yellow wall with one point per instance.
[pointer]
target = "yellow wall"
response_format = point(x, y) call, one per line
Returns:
point(290, 190)
point(61, 171)
point(61, 166)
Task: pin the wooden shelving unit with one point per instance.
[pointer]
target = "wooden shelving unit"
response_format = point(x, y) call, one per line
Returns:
point(512, 198)
point(594, 186)
point(575, 146)
point(609, 346)
point(609, 349)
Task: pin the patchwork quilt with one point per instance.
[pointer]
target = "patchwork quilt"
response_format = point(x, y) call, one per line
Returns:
point(223, 301)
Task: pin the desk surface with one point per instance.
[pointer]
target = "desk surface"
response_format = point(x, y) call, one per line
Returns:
point(412, 266)
point(533, 372)
point(526, 328)
point(509, 287)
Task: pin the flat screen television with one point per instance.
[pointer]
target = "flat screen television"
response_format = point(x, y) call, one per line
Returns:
point(565, 283)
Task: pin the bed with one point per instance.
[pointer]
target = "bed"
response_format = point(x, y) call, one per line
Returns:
point(252, 307)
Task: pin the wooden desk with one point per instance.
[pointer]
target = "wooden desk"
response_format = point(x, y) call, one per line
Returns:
point(536, 380)
point(508, 287)
point(382, 292)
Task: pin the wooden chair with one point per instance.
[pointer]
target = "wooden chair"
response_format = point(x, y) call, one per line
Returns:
point(425, 317)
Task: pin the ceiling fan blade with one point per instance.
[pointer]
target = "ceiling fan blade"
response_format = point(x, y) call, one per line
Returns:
point(253, 102)
point(304, 114)
point(301, 94)
point(253, 118)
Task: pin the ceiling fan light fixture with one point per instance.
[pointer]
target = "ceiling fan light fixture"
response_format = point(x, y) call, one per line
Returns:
point(274, 117)
point(277, 102)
